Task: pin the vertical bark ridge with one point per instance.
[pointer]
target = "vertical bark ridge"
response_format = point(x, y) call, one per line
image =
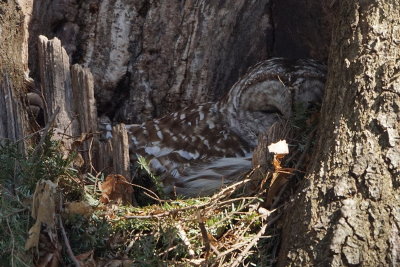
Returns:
point(349, 211)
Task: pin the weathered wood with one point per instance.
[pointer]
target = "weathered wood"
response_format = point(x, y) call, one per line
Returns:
point(113, 156)
point(105, 160)
point(121, 163)
point(83, 98)
point(10, 120)
point(72, 90)
point(55, 77)
point(84, 105)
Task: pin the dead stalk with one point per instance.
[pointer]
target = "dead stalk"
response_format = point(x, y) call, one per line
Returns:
point(46, 131)
point(245, 252)
point(204, 234)
point(183, 236)
point(67, 245)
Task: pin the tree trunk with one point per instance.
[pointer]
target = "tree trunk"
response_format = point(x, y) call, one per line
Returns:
point(13, 125)
point(151, 57)
point(347, 211)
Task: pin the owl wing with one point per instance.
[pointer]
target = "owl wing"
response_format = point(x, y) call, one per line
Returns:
point(189, 149)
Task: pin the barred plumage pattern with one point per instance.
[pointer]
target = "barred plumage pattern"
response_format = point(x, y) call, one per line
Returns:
point(199, 149)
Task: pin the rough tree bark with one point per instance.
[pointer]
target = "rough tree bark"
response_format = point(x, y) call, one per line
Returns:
point(348, 209)
point(150, 57)
point(13, 124)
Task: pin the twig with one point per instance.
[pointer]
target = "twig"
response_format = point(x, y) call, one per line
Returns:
point(215, 250)
point(230, 189)
point(167, 250)
point(244, 253)
point(30, 135)
point(279, 78)
point(15, 211)
point(95, 182)
point(170, 247)
point(13, 242)
point(233, 248)
point(223, 193)
point(153, 216)
point(229, 201)
point(204, 235)
point(92, 168)
point(66, 242)
point(46, 131)
point(154, 197)
point(242, 232)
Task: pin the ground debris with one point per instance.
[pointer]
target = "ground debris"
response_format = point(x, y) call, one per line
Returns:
point(116, 189)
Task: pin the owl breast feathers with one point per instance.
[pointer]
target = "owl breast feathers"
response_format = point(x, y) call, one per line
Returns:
point(198, 150)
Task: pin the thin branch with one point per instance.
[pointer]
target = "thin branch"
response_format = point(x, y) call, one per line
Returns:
point(66, 242)
point(13, 242)
point(92, 168)
point(204, 235)
point(46, 131)
point(245, 252)
point(154, 197)
point(30, 135)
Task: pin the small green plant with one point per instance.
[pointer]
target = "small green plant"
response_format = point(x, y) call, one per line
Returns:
point(144, 165)
point(86, 233)
point(19, 173)
point(146, 178)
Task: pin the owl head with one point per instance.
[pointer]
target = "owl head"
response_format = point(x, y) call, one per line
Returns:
point(269, 91)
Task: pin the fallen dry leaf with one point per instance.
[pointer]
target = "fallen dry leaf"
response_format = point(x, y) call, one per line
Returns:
point(81, 208)
point(86, 259)
point(278, 181)
point(280, 177)
point(33, 236)
point(44, 231)
point(116, 188)
point(277, 161)
point(48, 260)
point(43, 210)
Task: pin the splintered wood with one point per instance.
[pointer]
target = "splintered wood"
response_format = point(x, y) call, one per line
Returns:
point(12, 120)
point(71, 89)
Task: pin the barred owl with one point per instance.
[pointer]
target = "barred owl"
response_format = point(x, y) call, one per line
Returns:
point(199, 149)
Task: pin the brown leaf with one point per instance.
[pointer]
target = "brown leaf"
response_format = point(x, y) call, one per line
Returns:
point(48, 260)
point(80, 139)
point(33, 236)
point(114, 263)
point(277, 161)
point(78, 160)
point(81, 208)
point(86, 259)
point(116, 188)
point(279, 179)
point(43, 203)
point(43, 210)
